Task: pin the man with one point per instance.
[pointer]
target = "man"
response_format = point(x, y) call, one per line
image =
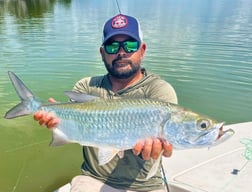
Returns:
point(122, 52)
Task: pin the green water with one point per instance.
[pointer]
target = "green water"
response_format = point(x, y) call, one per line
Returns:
point(203, 48)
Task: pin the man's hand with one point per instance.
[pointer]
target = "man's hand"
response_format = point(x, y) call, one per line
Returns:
point(47, 119)
point(152, 148)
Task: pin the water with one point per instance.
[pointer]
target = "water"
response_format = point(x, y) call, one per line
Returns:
point(203, 48)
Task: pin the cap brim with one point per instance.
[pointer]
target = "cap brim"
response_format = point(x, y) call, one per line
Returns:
point(120, 33)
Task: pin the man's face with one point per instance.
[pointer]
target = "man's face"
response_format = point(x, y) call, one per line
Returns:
point(122, 65)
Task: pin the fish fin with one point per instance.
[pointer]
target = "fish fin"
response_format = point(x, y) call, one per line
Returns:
point(58, 138)
point(106, 154)
point(28, 102)
point(79, 97)
point(120, 154)
point(17, 111)
point(154, 167)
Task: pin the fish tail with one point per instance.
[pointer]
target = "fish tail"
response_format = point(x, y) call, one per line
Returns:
point(28, 102)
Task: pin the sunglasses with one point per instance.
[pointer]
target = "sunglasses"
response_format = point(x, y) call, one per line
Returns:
point(129, 46)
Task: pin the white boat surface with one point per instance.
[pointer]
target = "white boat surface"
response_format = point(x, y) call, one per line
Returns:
point(226, 167)
point(223, 168)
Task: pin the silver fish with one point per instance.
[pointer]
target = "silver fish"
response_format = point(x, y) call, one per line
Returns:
point(119, 123)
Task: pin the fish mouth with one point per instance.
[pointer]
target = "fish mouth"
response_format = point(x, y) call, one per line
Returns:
point(223, 135)
point(217, 135)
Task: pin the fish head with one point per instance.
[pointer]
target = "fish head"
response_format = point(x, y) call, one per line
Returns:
point(187, 129)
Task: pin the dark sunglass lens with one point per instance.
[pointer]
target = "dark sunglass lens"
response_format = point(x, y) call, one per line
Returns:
point(112, 47)
point(130, 46)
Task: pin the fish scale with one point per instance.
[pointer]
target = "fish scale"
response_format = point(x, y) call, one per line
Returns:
point(120, 124)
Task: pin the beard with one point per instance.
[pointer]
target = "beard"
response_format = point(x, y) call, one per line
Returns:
point(123, 73)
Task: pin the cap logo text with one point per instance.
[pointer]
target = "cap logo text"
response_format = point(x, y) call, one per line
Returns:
point(119, 21)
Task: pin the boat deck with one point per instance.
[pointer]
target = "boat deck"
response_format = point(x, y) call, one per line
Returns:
point(223, 168)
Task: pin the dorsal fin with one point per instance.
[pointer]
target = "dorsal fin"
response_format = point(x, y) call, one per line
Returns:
point(79, 97)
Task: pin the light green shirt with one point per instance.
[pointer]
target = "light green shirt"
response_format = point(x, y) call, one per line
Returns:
point(129, 172)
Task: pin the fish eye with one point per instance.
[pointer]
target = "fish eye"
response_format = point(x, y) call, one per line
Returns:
point(203, 124)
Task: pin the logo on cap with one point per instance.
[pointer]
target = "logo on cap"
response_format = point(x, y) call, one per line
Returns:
point(119, 21)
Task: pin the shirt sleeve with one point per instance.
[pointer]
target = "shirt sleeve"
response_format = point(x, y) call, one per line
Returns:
point(82, 86)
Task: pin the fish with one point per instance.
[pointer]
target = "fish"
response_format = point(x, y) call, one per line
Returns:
point(114, 125)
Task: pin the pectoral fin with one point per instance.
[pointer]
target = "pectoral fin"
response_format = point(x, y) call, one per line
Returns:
point(58, 138)
point(154, 167)
point(106, 154)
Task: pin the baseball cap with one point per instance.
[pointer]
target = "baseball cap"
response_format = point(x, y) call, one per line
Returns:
point(122, 25)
